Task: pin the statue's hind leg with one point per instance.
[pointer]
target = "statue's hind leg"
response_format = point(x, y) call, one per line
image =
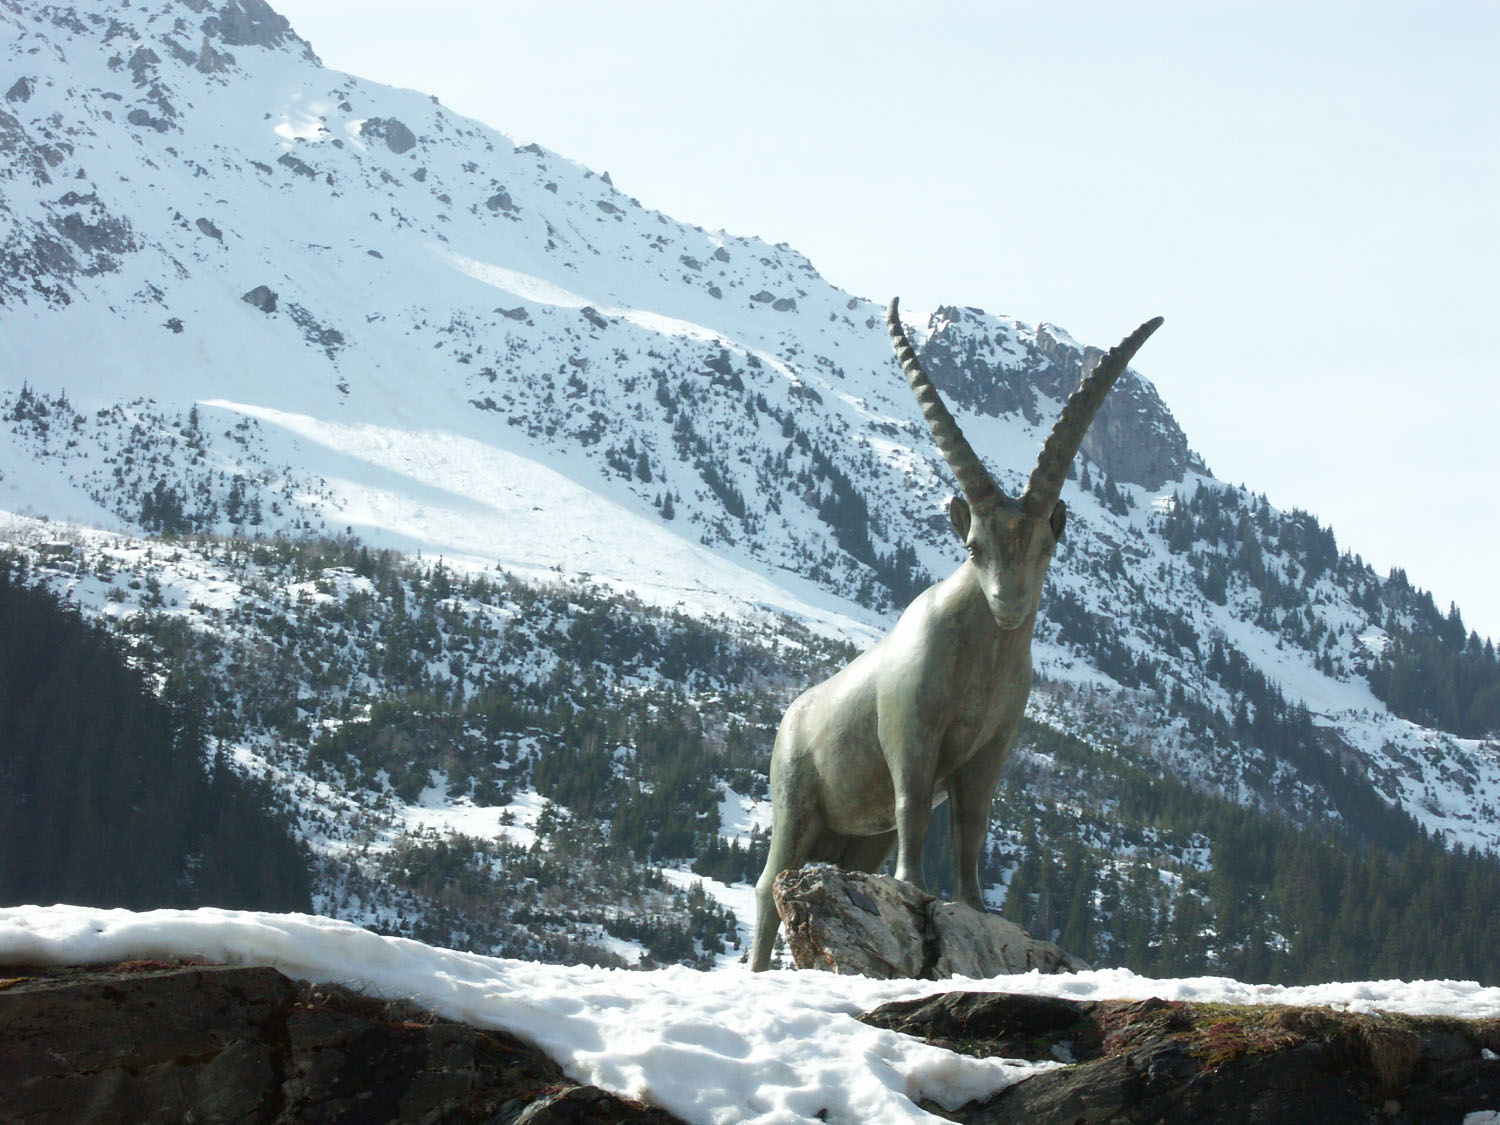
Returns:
point(792, 841)
point(856, 853)
point(787, 853)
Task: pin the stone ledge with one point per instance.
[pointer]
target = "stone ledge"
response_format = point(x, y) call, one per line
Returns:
point(1210, 1064)
point(154, 1041)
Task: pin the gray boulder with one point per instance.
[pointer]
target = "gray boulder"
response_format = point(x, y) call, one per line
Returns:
point(262, 297)
point(398, 138)
point(849, 922)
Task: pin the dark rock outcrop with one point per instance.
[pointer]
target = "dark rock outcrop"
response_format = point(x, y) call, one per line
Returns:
point(1134, 437)
point(850, 922)
point(262, 297)
point(398, 138)
point(104, 236)
point(1155, 1061)
point(300, 167)
point(248, 23)
point(143, 118)
point(146, 1041)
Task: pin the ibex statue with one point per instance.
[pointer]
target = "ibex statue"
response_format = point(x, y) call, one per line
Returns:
point(929, 713)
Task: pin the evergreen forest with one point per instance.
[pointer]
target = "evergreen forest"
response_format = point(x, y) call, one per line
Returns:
point(1274, 903)
point(109, 794)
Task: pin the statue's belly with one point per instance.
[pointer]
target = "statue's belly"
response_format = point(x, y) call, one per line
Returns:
point(837, 739)
point(858, 797)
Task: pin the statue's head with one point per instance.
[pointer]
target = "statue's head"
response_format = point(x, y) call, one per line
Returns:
point(1009, 551)
point(1010, 541)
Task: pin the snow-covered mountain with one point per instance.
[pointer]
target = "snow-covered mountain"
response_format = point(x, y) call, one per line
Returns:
point(427, 329)
point(244, 296)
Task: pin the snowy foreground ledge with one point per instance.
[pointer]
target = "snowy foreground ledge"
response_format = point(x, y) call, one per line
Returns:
point(723, 1046)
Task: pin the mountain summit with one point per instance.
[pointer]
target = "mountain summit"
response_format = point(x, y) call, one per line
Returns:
point(205, 215)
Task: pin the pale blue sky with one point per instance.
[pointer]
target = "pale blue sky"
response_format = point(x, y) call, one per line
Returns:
point(1307, 191)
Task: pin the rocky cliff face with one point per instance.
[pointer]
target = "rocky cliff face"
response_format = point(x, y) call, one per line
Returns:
point(994, 365)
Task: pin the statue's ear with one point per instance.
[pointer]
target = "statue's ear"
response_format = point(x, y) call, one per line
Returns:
point(1059, 519)
point(958, 512)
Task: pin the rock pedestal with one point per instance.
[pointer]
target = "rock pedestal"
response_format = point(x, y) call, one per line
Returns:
point(851, 922)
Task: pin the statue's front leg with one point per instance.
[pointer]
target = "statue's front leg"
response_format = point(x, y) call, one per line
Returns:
point(910, 749)
point(912, 777)
point(970, 792)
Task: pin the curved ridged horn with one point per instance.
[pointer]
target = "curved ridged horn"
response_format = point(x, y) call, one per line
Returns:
point(1046, 482)
point(979, 488)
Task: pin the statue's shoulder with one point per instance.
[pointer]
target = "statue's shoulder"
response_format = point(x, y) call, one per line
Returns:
point(928, 635)
point(943, 602)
